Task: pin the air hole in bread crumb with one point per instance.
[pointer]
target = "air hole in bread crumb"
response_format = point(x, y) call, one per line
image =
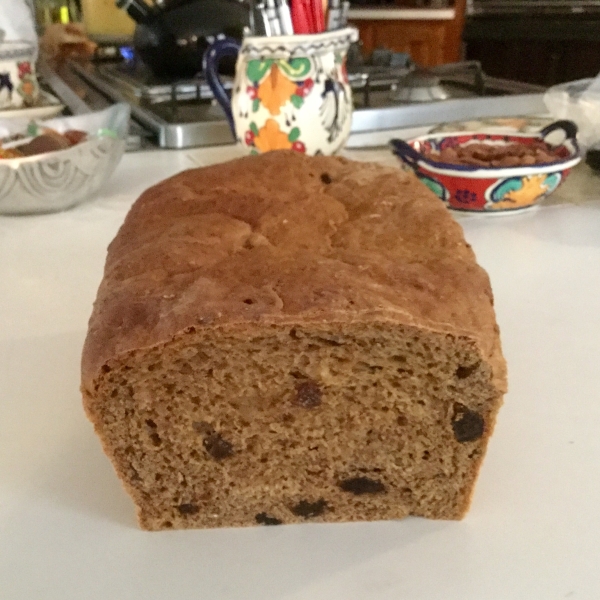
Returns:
point(296, 374)
point(463, 372)
point(105, 369)
point(203, 427)
point(151, 423)
point(217, 447)
point(326, 178)
point(248, 301)
point(330, 341)
point(308, 394)
point(156, 439)
point(408, 372)
point(185, 369)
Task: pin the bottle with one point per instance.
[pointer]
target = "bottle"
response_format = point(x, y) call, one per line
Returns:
point(56, 11)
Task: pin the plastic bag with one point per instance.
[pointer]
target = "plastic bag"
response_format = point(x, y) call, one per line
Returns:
point(17, 22)
point(578, 101)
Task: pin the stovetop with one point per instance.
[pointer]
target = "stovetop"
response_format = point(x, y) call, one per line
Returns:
point(389, 92)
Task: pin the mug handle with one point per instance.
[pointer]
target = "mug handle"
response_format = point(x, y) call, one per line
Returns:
point(406, 152)
point(222, 46)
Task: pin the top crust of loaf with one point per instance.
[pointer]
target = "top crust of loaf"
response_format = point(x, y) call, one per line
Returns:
point(279, 238)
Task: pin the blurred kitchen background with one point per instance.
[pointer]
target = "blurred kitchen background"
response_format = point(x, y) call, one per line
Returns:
point(418, 62)
point(536, 41)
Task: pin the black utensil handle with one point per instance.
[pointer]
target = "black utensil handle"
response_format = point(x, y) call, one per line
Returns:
point(222, 46)
point(567, 126)
point(138, 10)
point(406, 152)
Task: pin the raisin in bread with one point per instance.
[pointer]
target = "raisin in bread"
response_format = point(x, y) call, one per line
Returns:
point(282, 338)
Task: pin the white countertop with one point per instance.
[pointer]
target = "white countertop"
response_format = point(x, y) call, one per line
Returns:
point(402, 14)
point(67, 529)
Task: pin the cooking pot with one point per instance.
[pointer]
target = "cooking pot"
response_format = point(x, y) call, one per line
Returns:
point(171, 37)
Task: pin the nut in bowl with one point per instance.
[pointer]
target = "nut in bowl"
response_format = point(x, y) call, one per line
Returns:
point(492, 173)
point(64, 166)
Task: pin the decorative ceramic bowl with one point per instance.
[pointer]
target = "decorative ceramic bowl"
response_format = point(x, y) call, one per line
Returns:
point(490, 189)
point(45, 107)
point(58, 180)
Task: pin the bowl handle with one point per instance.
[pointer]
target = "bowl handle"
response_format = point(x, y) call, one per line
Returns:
point(569, 128)
point(406, 152)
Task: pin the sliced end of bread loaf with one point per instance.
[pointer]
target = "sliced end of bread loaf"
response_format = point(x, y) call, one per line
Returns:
point(297, 421)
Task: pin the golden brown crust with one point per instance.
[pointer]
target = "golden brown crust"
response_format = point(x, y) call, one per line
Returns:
point(283, 237)
point(281, 338)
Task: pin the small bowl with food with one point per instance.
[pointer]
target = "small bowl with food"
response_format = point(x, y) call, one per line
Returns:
point(493, 173)
point(54, 165)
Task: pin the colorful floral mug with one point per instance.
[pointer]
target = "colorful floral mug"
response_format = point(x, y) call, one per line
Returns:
point(289, 92)
point(18, 81)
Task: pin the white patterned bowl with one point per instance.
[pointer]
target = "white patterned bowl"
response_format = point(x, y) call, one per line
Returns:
point(59, 180)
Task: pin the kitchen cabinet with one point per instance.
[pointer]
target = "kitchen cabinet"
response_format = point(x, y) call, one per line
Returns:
point(429, 41)
point(102, 17)
point(556, 49)
point(423, 40)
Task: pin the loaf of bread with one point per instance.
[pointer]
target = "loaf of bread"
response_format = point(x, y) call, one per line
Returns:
point(283, 339)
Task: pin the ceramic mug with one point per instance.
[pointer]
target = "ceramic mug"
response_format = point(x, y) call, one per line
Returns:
point(18, 81)
point(289, 92)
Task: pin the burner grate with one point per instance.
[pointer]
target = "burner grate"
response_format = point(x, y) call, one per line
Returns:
point(412, 84)
point(184, 114)
point(141, 83)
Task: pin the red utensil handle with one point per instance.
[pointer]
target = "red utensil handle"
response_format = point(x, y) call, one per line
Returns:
point(318, 16)
point(301, 17)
